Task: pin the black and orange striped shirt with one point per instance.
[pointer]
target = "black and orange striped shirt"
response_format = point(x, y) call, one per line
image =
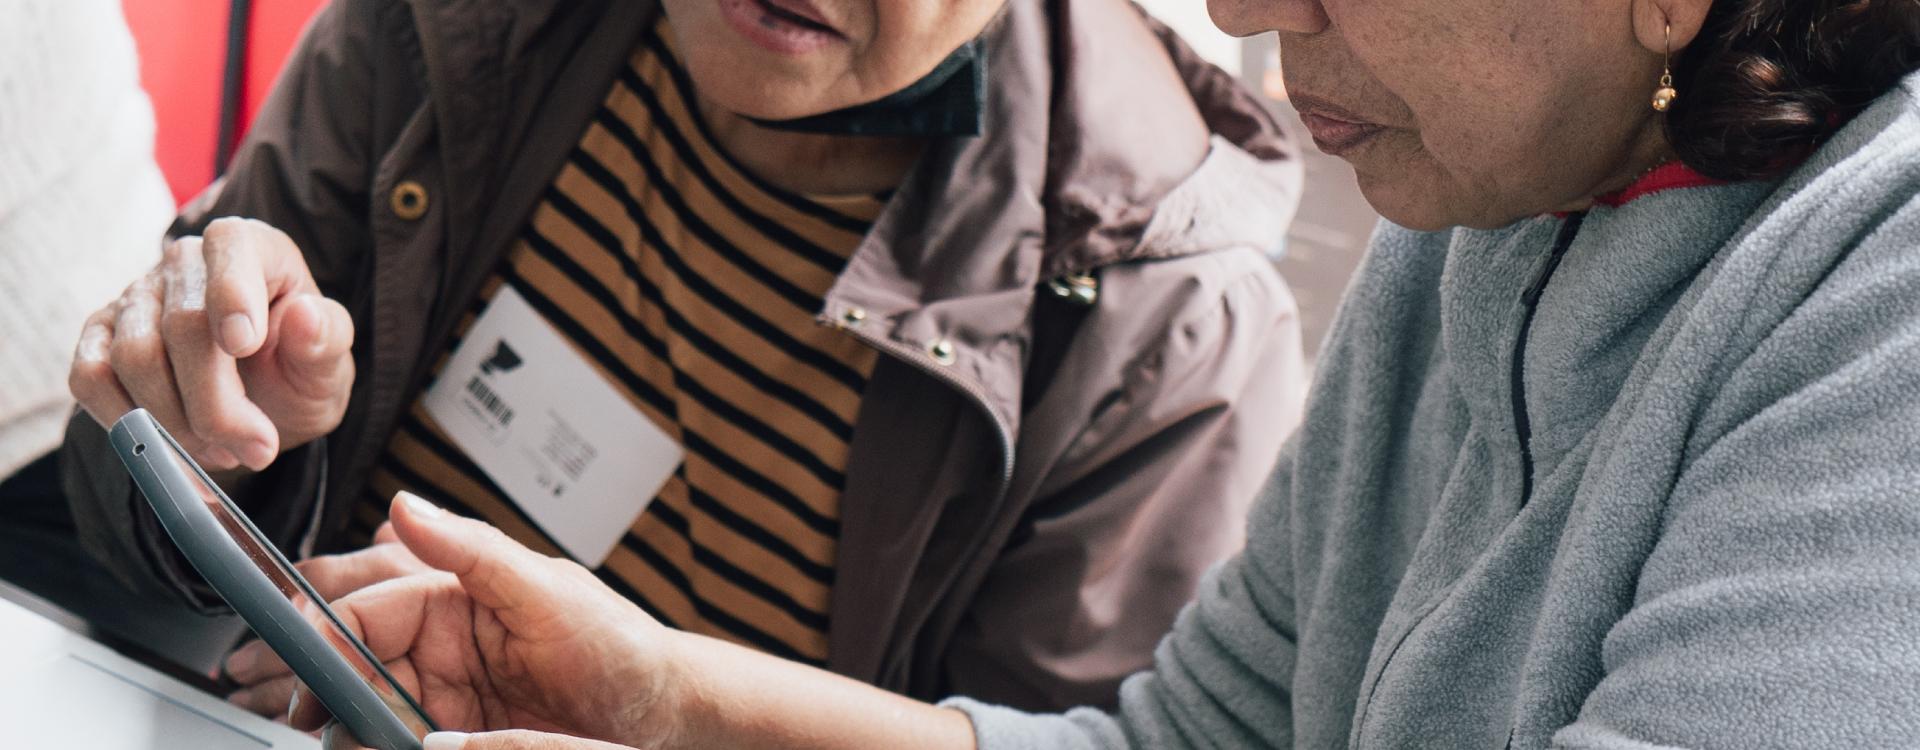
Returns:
point(693, 288)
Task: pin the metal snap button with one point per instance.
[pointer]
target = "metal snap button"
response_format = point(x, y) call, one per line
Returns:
point(941, 350)
point(853, 317)
point(1080, 289)
point(409, 200)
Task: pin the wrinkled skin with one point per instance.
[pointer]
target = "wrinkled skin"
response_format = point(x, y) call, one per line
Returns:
point(1494, 110)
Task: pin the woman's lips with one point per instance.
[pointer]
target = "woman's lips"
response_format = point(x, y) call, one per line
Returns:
point(804, 10)
point(1336, 136)
point(1336, 130)
point(788, 27)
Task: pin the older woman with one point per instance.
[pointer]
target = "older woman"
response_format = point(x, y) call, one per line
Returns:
point(1614, 444)
point(922, 341)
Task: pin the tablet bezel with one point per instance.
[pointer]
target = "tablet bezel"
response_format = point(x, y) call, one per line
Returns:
point(172, 483)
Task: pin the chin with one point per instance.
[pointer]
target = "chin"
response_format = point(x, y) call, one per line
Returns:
point(760, 108)
point(1418, 207)
point(769, 97)
point(1410, 208)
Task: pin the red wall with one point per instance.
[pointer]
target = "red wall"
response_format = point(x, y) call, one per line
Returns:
point(182, 45)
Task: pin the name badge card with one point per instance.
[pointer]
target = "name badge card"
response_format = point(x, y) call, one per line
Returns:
point(545, 426)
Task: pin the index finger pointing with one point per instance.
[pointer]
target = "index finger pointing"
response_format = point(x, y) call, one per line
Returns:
point(249, 263)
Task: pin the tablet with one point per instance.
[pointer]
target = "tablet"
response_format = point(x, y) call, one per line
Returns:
point(251, 574)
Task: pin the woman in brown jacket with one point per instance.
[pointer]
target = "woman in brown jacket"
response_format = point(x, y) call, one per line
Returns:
point(933, 343)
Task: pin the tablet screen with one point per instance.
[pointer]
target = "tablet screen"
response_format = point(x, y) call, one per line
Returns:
point(301, 594)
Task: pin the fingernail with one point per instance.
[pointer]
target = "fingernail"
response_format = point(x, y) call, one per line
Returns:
point(420, 505)
point(293, 702)
point(445, 741)
point(237, 331)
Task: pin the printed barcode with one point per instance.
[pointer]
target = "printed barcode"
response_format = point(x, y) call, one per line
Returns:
point(489, 401)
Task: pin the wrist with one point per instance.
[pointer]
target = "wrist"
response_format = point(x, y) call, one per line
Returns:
point(675, 712)
point(696, 706)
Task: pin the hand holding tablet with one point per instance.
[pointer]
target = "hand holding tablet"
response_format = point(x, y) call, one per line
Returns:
point(265, 683)
point(262, 586)
point(498, 637)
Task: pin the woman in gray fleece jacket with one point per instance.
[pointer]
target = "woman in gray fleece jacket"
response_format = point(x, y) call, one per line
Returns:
point(1616, 443)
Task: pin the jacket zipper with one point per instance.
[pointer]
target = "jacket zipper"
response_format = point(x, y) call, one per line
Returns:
point(1530, 302)
point(1523, 425)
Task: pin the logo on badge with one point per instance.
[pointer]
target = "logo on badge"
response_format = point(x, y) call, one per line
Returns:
point(496, 415)
point(504, 359)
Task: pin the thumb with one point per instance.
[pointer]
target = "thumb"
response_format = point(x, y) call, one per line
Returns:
point(495, 570)
point(312, 336)
point(513, 739)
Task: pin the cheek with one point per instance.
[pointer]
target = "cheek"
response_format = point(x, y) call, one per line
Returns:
point(909, 38)
point(1532, 145)
point(1469, 89)
point(1409, 185)
point(1494, 137)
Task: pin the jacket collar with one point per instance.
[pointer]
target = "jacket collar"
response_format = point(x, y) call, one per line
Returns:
point(1090, 180)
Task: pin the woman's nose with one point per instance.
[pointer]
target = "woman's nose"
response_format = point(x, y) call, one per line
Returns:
point(1250, 17)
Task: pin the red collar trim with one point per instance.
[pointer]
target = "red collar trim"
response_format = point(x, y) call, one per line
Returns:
point(1672, 175)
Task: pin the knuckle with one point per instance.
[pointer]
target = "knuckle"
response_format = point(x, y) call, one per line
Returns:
point(264, 231)
point(217, 426)
point(94, 339)
point(179, 250)
point(269, 232)
point(87, 377)
point(184, 324)
point(492, 536)
point(136, 352)
point(144, 286)
point(231, 229)
point(100, 318)
point(224, 229)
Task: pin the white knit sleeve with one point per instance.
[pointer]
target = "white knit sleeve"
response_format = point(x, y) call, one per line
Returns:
point(82, 203)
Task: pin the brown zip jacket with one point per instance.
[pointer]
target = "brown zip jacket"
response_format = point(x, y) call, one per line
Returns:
point(1021, 521)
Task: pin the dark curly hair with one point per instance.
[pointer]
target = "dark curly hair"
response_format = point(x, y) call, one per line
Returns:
point(1767, 81)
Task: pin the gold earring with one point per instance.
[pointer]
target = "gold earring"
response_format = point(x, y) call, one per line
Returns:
point(1663, 97)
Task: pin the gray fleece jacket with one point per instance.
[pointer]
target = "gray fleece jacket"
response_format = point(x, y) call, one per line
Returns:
point(1695, 525)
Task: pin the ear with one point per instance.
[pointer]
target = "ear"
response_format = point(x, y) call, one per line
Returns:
point(1651, 20)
